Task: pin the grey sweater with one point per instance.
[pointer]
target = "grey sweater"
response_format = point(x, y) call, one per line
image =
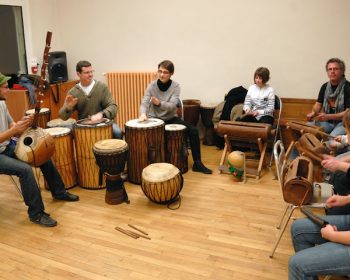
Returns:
point(99, 100)
point(168, 101)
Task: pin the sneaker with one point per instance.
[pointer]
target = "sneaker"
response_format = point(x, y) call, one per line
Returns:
point(43, 219)
point(67, 196)
point(198, 166)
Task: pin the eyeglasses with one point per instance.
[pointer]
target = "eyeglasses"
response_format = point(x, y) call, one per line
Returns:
point(163, 72)
point(334, 68)
point(87, 72)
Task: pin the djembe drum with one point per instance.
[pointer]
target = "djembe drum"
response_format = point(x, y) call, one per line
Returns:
point(63, 157)
point(43, 117)
point(298, 182)
point(161, 182)
point(146, 145)
point(191, 110)
point(207, 112)
point(175, 146)
point(111, 156)
point(236, 161)
point(86, 134)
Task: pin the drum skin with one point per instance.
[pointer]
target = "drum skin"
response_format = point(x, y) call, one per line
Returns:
point(161, 182)
point(61, 123)
point(63, 157)
point(146, 146)
point(85, 136)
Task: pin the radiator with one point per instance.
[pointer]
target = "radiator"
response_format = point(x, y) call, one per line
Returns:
point(127, 89)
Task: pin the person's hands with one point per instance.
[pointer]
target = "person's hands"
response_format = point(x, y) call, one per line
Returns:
point(310, 116)
point(97, 117)
point(142, 118)
point(336, 200)
point(154, 100)
point(338, 138)
point(328, 231)
point(70, 101)
point(20, 126)
point(331, 163)
point(322, 117)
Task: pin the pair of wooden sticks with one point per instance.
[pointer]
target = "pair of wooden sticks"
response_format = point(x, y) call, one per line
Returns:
point(133, 234)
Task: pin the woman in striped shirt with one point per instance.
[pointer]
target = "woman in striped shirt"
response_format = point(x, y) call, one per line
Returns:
point(259, 103)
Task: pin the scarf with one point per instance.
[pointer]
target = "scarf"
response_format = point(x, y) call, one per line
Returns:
point(162, 86)
point(337, 95)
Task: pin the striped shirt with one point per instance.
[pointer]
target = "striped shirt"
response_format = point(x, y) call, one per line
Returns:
point(5, 121)
point(261, 100)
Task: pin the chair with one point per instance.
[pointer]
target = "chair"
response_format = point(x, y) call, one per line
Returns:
point(323, 189)
point(16, 186)
point(276, 126)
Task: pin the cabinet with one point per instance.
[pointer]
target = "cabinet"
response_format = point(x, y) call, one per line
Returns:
point(17, 102)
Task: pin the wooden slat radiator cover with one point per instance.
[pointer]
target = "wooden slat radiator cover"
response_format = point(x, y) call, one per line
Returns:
point(128, 89)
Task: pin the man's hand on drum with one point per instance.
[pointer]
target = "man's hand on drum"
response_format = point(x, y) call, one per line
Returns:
point(142, 118)
point(70, 101)
point(97, 117)
point(155, 101)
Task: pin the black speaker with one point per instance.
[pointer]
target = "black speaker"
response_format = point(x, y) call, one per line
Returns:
point(57, 67)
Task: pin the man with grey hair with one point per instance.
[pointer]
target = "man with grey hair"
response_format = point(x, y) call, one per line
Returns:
point(333, 100)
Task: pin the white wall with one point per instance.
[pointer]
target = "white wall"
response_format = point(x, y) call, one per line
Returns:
point(215, 45)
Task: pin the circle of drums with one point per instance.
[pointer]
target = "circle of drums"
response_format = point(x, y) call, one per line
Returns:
point(86, 155)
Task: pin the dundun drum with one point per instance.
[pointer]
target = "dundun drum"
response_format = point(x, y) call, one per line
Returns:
point(86, 134)
point(175, 146)
point(146, 145)
point(43, 117)
point(191, 110)
point(161, 182)
point(63, 157)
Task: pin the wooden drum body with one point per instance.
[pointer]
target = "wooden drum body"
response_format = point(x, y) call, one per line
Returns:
point(86, 134)
point(146, 145)
point(43, 117)
point(175, 146)
point(296, 129)
point(207, 112)
point(298, 182)
point(161, 182)
point(63, 156)
point(111, 156)
point(191, 110)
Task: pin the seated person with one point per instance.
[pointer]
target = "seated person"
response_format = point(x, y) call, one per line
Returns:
point(160, 100)
point(331, 255)
point(92, 99)
point(333, 100)
point(10, 165)
point(259, 103)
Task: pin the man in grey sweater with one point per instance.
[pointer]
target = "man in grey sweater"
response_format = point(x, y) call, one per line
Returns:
point(92, 99)
point(160, 101)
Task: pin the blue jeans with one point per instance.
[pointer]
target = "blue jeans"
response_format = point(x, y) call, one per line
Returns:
point(327, 258)
point(330, 128)
point(30, 189)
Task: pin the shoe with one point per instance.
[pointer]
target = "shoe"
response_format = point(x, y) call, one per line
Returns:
point(43, 219)
point(198, 166)
point(67, 197)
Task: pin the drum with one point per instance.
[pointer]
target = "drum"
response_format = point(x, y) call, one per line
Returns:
point(63, 156)
point(86, 134)
point(207, 112)
point(146, 145)
point(175, 146)
point(111, 155)
point(161, 182)
point(191, 110)
point(43, 118)
point(61, 123)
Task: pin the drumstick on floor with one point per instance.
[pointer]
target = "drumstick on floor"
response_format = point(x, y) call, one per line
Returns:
point(127, 232)
point(133, 234)
point(143, 232)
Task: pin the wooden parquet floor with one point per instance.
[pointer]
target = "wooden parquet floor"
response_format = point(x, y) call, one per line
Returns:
point(223, 230)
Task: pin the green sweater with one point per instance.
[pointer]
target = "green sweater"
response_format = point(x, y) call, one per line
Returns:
point(99, 100)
